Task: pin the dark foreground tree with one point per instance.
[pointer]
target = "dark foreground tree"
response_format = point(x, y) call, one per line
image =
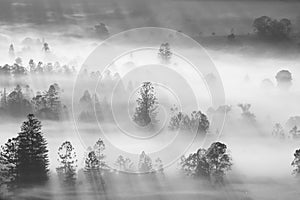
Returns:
point(145, 112)
point(32, 153)
point(212, 163)
point(196, 164)
point(269, 28)
point(67, 159)
point(296, 163)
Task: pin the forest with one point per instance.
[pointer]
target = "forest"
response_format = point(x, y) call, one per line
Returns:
point(123, 100)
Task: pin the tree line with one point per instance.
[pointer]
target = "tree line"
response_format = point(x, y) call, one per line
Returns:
point(20, 101)
point(24, 160)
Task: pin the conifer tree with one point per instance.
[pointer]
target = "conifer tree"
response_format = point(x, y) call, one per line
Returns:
point(32, 153)
point(145, 111)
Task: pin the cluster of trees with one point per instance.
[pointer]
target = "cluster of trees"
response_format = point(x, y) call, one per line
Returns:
point(24, 160)
point(21, 101)
point(91, 108)
point(278, 131)
point(196, 122)
point(267, 27)
point(211, 164)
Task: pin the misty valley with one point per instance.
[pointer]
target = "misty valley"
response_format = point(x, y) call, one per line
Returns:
point(149, 99)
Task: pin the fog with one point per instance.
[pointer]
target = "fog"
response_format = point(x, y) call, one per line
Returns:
point(261, 162)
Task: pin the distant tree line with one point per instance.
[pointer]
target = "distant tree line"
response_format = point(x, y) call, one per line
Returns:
point(20, 101)
point(267, 27)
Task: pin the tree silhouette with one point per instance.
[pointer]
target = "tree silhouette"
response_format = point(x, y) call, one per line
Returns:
point(278, 131)
point(296, 163)
point(17, 104)
point(32, 153)
point(196, 122)
point(219, 161)
point(99, 148)
point(211, 164)
point(145, 111)
point(67, 159)
point(145, 163)
point(196, 164)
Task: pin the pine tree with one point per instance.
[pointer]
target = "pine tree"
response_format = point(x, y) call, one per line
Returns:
point(53, 101)
point(32, 153)
point(145, 111)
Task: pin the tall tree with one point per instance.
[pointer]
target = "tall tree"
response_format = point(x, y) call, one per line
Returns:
point(219, 161)
point(67, 158)
point(32, 153)
point(145, 163)
point(147, 103)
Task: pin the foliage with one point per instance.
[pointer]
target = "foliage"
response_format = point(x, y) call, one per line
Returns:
point(145, 163)
point(278, 131)
point(296, 162)
point(27, 153)
point(211, 163)
point(246, 114)
point(165, 53)
point(267, 27)
point(196, 122)
point(145, 111)
point(124, 164)
point(67, 160)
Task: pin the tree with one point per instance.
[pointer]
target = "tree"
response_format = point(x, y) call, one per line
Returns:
point(99, 148)
point(158, 166)
point(8, 162)
point(102, 30)
point(145, 111)
point(266, 27)
point(196, 164)
point(197, 122)
point(11, 51)
point(284, 79)
point(296, 163)
point(165, 53)
point(145, 163)
point(210, 164)
point(92, 162)
point(46, 47)
point(219, 161)
point(32, 153)
point(246, 114)
point(53, 101)
point(294, 133)
point(67, 159)
point(124, 164)
point(278, 131)
point(86, 105)
point(17, 104)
